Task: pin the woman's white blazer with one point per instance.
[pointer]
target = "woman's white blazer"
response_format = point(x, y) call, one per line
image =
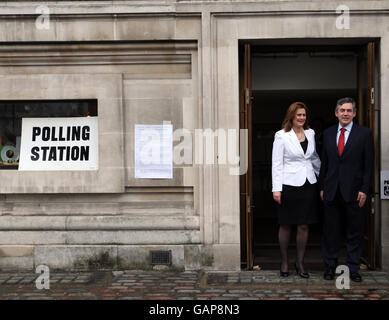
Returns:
point(290, 166)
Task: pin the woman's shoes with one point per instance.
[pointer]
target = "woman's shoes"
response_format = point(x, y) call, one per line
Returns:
point(283, 274)
point(304, 275)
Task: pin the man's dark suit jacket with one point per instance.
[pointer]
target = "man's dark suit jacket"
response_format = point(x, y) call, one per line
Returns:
point(352, 171)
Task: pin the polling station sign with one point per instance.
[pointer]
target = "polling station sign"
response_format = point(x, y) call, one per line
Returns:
point(59, 144)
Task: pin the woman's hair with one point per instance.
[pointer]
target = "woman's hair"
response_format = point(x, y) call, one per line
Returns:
point(287, 124)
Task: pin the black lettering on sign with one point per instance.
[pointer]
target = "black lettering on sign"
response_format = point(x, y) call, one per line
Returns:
point(67, 153)
point(73, 133)
point(75, 153)
point(76, 131)
point(53, 137)
point(60, 134)
point(45, 133)
point(61, 149)
point(84, 153)
point(35, 154)
point(44, 149)
point(61, 153)
point(53, 154)
point(85, 133)
point(36, 131)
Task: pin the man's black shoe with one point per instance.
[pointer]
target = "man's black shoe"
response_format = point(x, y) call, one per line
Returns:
point(356, 277)
point(329, 274)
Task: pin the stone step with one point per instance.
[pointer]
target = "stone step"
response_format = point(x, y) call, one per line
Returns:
point(93, 237)
point(144, 195)
point(130, 222)
point(88, 208)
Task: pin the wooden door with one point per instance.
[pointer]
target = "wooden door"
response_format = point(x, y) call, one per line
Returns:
point(367, 117)
point(246, 190)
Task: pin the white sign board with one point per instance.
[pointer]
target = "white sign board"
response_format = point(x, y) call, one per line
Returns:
point(59, 144)
point(384, 184)
point(153, 151)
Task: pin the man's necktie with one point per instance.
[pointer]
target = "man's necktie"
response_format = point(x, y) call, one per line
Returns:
point(341, 141)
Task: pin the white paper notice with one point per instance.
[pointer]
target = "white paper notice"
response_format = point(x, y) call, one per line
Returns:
point(153, 151)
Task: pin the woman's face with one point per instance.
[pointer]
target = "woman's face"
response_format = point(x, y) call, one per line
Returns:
point(299, 118)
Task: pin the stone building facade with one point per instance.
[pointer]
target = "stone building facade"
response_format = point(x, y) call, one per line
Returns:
point(146, 62)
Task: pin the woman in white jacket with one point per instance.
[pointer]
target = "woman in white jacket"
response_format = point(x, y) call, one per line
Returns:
point(295, 167)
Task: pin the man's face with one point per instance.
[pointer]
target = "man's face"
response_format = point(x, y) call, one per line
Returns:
point(345, 114)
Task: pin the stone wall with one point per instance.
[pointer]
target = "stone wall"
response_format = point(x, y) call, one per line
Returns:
point(149, 61)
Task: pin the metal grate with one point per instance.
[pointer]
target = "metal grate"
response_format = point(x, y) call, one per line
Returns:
point(161, 257)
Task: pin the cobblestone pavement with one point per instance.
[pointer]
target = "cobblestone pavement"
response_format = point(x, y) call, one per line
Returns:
point(168, 285)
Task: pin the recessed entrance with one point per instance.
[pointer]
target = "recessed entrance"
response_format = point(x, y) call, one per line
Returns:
point(272, 77)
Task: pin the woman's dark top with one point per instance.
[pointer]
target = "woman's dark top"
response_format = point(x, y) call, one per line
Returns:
point(304, 145)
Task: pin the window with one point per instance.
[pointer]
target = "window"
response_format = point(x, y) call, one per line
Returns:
point(12, 112)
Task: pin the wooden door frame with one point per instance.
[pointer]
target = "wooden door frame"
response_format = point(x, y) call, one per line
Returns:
point(371, 110)
point(245, 118)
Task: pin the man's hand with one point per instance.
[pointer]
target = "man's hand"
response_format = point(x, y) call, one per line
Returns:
point(322, 195)
point(361, 199)
point(277, 196)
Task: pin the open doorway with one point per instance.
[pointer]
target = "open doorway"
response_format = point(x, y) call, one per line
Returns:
point(276, 76)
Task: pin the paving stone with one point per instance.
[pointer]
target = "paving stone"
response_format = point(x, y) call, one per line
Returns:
point(259, 295)
point(265, 285)
point(215, 290)
point(293, 295)
point(12, 281)
point(25, 281)
point(238, 291)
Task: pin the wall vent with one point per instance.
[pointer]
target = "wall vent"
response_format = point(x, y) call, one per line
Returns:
point(161, 257)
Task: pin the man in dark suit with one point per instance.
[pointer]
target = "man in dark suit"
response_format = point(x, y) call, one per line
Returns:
point(345, 178)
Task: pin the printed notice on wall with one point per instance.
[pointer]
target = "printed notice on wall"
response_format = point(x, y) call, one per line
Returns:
point(59, 144)
point(153, 151)
point(384, 184)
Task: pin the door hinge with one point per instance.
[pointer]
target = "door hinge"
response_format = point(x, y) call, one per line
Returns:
point(248, 97)
point(249, 206)
point(372, 96)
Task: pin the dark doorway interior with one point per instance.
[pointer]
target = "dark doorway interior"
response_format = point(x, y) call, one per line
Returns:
point(280, 78)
